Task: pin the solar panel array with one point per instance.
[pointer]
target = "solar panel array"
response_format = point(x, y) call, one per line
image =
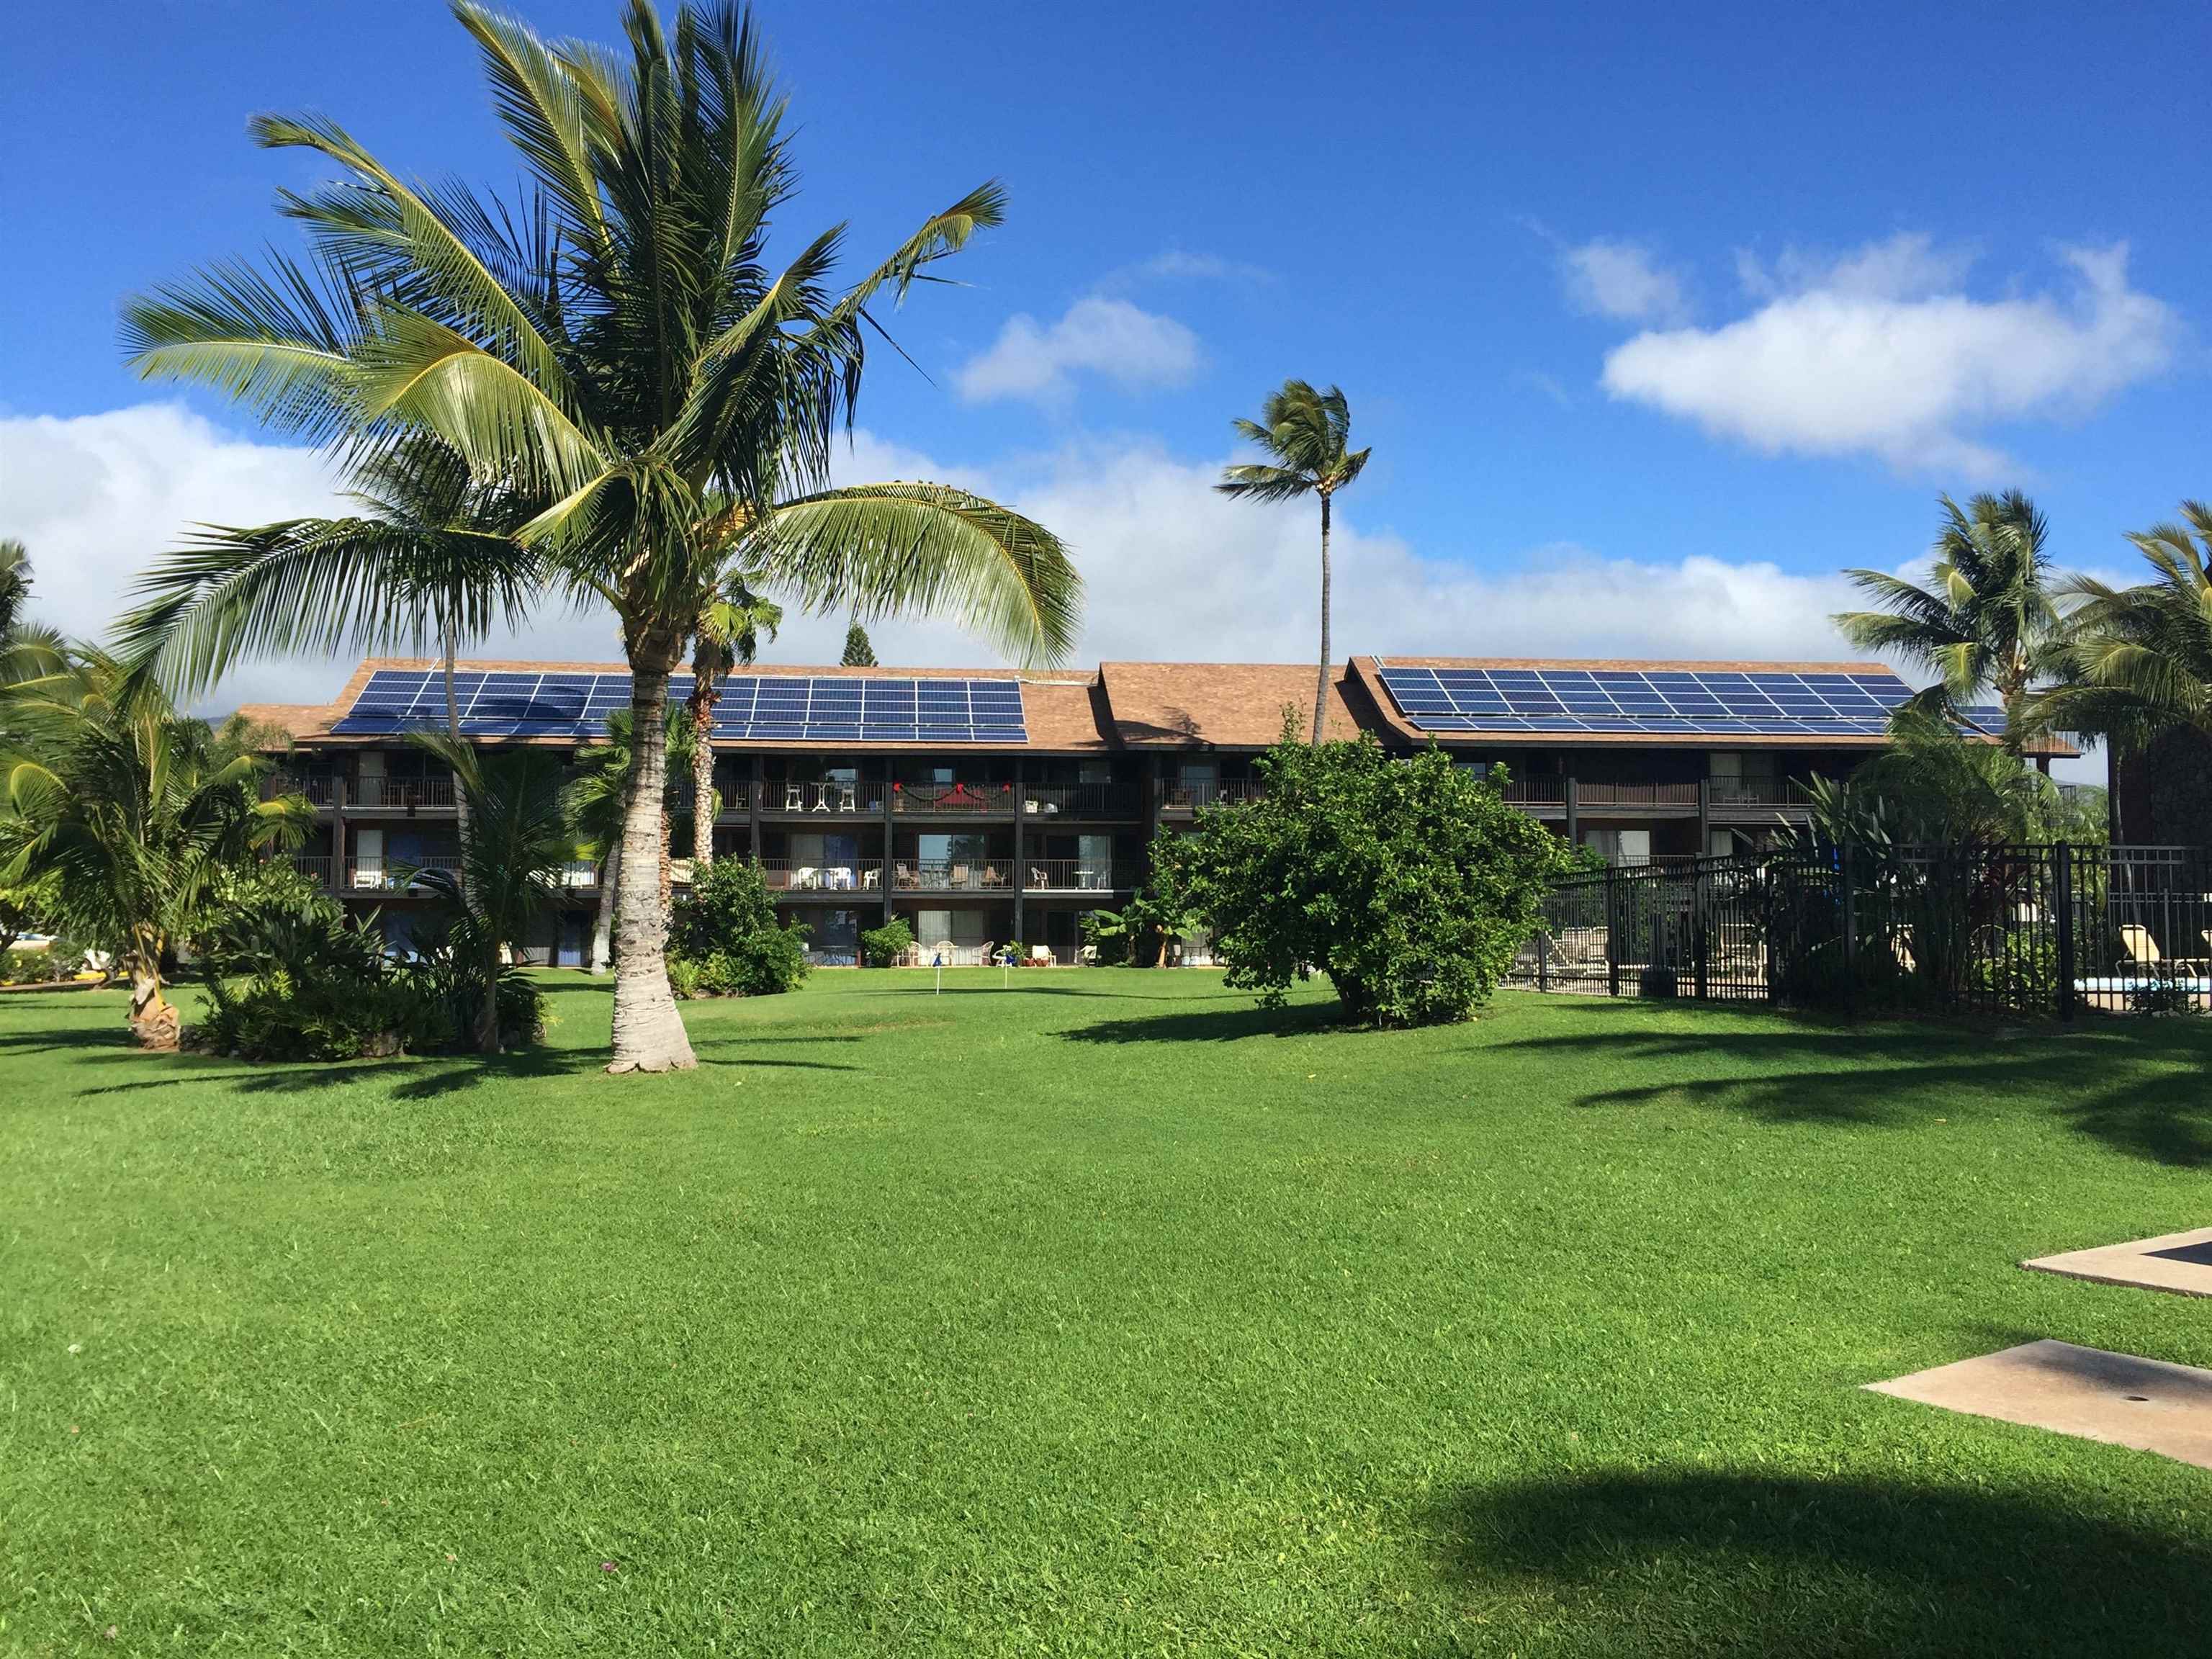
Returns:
point(753, 708)
point(1685, 702)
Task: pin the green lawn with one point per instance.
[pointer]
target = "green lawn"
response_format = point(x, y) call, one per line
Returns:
point(1100, 1315)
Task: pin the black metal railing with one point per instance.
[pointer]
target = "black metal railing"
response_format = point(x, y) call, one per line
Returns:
point(2003, 930)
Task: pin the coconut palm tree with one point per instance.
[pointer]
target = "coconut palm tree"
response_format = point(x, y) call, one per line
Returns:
point(2139, 660)
point(598, 797)
point(1305, 432)
point(1985, 623)
point(15, 585)
point(511, 868)
point(727, 634)
point(431, 557)
point(620, 345)
point(134, 813)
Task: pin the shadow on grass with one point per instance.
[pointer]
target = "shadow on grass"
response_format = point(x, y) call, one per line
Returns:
point(1215, 1026)
point(46, 1042)
point(1712, 1564)
point(2136, 1090)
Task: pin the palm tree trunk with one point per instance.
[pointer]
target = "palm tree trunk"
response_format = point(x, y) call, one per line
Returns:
point(602, 924)
point(649, 1032)
point(1321, 689)
point(153, 1018)
point(453, 725)
point(702, 775)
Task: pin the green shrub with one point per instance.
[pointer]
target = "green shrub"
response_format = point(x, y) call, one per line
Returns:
point(885, 946)
point(683, 977)
point(725, 933)
point(1410, 882)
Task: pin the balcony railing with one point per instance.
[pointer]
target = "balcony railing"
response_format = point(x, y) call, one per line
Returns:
point(1589, 795)
point(1190, 795)
point(393, 875)
point(404, 794)
point(1758, 791)
point(1067, 875)
point(1079, 800)
point(315, 868)
point(580, 875)
point(789, 876)
point(830, 800)
point(1536, 792)
point(964, 799)
point(953, 875)
point(319, 791)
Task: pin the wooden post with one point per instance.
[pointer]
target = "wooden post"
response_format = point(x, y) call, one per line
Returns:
point(1574, 818)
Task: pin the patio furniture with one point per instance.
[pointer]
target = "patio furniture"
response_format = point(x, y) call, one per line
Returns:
point(873, 878)
point(993, 876)
point(806, 876)
point(1040, 953)
point(903, 874)
point(849, 797)
point(838, 878)
point(2144, 949)
point(959, 877)
point(1038, 878)
point(794, 798)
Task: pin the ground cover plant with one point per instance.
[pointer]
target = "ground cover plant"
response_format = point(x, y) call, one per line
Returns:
point(1104, 1313)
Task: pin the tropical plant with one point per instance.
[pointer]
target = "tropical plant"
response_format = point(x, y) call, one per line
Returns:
point(431, 557)
point(1985, 622)
point(1140, 932)
point(858, 654)
point(619, 346)
point(726, 634)
point(510, 872)
point(28, 650)
point(1410, 882)
point(886, 946)
point(726, 940)
point(134, 813)
point(1305, 433)
point(1931, 787)
point(598, 797)
point(15, 585)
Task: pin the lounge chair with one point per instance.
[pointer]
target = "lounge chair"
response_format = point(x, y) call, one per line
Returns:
point(959, 877)
point(903, 874)
point(993, 876)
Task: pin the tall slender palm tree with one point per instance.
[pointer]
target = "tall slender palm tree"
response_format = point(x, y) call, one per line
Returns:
point(2139, 658)
point(619, 345)
point(727, 634)
point(1985, 622)
point(431, 557)
point(15, 585)
point(1306, 433)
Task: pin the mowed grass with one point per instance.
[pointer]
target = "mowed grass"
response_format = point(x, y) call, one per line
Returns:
point(1103, 1314)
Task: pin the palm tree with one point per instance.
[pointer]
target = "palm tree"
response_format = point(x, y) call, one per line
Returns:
point(2139, 658)
point(598, 797)
point(510, 868)
point(134, 813)
point(619, 346)
point(726, 634)
point(1985, 622)
point(15, 585)
point(1305, 431)
point(432, 556)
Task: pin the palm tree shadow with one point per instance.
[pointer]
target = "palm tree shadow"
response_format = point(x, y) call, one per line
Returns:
point(2120, 1086)
point(1710, 1563)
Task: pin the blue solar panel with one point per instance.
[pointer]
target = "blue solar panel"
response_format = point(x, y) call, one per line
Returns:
point(765, 708)
point(1717, 702)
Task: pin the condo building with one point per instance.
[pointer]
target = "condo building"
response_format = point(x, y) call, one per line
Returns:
point(989, 806)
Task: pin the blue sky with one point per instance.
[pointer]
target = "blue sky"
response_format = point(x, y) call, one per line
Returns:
point(1655, 318)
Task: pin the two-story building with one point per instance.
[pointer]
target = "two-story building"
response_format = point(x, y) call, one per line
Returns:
point(991, 806)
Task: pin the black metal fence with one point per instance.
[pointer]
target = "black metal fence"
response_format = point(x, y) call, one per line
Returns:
point(2012, 930)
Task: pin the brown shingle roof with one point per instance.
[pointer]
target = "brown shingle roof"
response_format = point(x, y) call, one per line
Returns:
point(1237, 705)
point(294, 719)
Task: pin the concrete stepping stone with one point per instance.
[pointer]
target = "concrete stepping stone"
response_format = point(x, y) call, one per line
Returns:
point(2116, 1398)
point(2172, 1261)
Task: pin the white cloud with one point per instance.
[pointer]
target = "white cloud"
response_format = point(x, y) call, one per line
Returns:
point(1180, 265)
point(1905, 266)
point(1175, 570)
point(1623, 280)
point(1132, 347)
point(1877, 353)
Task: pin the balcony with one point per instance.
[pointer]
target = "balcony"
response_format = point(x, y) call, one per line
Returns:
point(579, 876)
point(1067, 875)
point(1182, 799)
point(315, 868)
point(394, 875)
point(320, 791)
point(1658, 798)
point(409, 795)
point(967, 798)
point(823, 799)
point(954, 876)
point(1537, 792)
point(1735, 800)
point(1080, 800)
point(787, 876)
